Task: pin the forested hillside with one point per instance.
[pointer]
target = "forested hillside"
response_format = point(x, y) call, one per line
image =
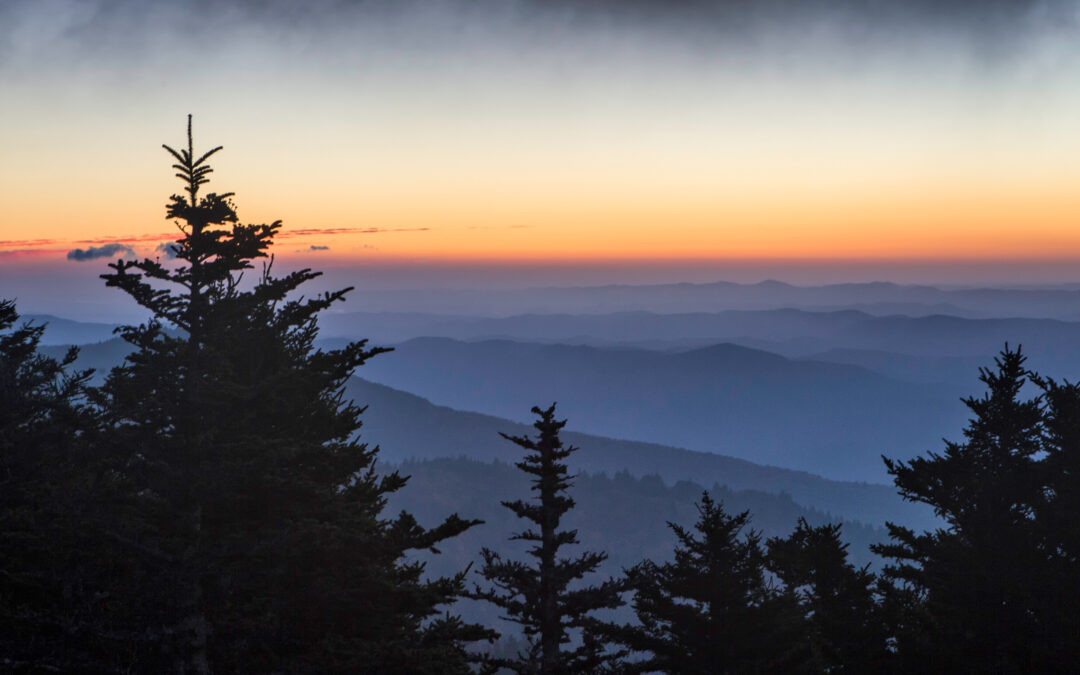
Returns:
point(624, 515)
point(407, 427)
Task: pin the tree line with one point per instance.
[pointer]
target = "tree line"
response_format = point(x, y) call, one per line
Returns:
point(210, 508)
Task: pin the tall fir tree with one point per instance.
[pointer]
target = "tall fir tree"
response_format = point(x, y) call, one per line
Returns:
point(1060, 466)
point(844, 626)
point(544, 597)
point(255, 510)
point(1058, 521)
point(966, 594)
point(713, 609)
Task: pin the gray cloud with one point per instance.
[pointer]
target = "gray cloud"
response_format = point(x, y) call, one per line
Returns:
point(327, 29)
point(166, 250)
point(93, 18)
point(319, 248)
point(95, 252)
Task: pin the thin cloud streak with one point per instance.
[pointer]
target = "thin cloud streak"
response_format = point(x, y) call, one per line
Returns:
point(129, 238)
point(24, 243)
point(30, 252)
point(97, 243)
point(308, 231)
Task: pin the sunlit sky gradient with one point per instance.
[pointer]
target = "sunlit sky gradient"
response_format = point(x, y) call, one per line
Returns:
point(594, 135)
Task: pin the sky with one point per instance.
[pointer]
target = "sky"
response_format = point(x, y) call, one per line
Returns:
point(570, 141)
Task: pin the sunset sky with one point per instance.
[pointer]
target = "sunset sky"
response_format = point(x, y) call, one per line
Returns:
point(631, 142)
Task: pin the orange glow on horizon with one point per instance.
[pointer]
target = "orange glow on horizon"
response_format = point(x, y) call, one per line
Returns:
point(599, 209)
point(586, 146)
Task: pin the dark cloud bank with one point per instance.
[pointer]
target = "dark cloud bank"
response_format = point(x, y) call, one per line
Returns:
point(992, 23)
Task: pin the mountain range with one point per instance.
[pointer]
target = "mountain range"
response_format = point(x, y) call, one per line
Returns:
point(829, 419)
point(409, 428)
point(876, 298)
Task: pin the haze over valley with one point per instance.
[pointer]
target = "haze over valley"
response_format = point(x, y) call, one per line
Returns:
point(821, 391)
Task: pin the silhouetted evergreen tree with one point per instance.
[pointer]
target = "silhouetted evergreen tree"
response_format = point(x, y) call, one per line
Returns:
point(844, 628)
point(255, 512)
point(711, 610)
point(1058, 519)
point(52, 606)
point(969, 596)
point(544, 598)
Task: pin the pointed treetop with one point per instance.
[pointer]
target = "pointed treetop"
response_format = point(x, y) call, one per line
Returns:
point(192, 171)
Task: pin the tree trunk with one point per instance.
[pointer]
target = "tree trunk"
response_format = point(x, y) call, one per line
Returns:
point(194, 658)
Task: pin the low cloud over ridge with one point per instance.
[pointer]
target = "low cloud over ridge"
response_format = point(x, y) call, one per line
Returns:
point(95, 252)
point(166, 250)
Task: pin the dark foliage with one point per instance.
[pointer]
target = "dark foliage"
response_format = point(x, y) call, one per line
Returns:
point(713, 609)
point(989, 591)
point(1057, 516)
point(249, 492)
point(53, 599)
point(544, 597)
point(844, 626)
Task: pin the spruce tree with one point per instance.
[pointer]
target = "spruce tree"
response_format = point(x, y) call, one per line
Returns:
point(255, 511)
point(53, 600)
point(1057, 517)
point(543, 597)
point(844, 626)
point(967, 595)
point(711, 610)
